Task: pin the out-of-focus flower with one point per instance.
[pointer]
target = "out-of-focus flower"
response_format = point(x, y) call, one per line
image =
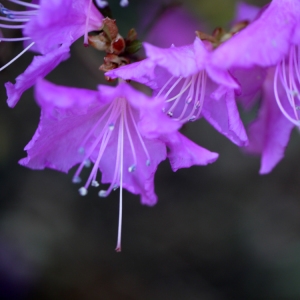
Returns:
point(190, 85)
point(168, 25)
point(123, 132)
point(49, 27)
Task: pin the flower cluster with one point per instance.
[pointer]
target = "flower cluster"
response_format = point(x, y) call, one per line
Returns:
point(125, 134)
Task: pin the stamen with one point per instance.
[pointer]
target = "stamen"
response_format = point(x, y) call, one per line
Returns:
point(12, 26)
point(85, 40)
point(83, 191)
point(114, 116)
point(95, 183)
point(139, 136)
point(118, 248)
point(26, 4)
point(25, 38)
point(76, 179)
point(290, 80)
point(194, 86)
point(15, 58)
point(11, 18)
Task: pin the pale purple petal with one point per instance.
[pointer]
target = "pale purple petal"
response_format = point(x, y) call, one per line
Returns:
point(264, 42)
point(179, 61)
point(55, 99)
point(39, 67)
point(146, 72)
point(72, 120)
point(153, 122)
point(183, 153)
point(270, 132)
point(61, 22)
point(222, 113)
point(251, 81)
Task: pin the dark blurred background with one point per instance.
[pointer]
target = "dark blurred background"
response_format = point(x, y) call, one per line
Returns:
point(217, 232)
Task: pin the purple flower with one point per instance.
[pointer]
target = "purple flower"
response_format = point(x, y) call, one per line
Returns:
point(123, 132)
point(49, 28)
point(190, 85)
point(271, 40)
point(268, 46)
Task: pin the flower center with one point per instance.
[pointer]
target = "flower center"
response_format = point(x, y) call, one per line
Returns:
point(184, 97)
point(117, 125)
point(287, 75)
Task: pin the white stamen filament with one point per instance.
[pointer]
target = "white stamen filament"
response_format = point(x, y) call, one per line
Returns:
point(26, 4)
point(85, 39)
point(191, 89)
point(289, 78)
point(14, 19)
point(16, 57)
point(17, 16)
point(121, 133)
point(117, 114)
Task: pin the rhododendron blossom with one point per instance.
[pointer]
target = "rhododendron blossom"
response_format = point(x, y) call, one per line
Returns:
point(123, 132)
point(50, 27)
point(190, 85)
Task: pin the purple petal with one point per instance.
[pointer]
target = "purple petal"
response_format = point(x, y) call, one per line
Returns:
point(39, 67)
point(153, 122)
point(179, 61)
point(61, 22)
point(264, 42)
point(270, 132)
point(183, 153)
point(223, 114)
point(251, 81)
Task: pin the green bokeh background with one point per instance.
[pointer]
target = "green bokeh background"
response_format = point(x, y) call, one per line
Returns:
point(217, 232)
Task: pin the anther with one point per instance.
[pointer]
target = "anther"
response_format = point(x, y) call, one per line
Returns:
point(192, 118)
point(111, 126)
point(5, 11)
point(102, 193)
point(170, 114)
point(87, 163)
point(76, 179)
point(95, 183)
point(148, 162)
point(132, 168)
point(188, 100)
point(83, 191)
point(197, 104)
